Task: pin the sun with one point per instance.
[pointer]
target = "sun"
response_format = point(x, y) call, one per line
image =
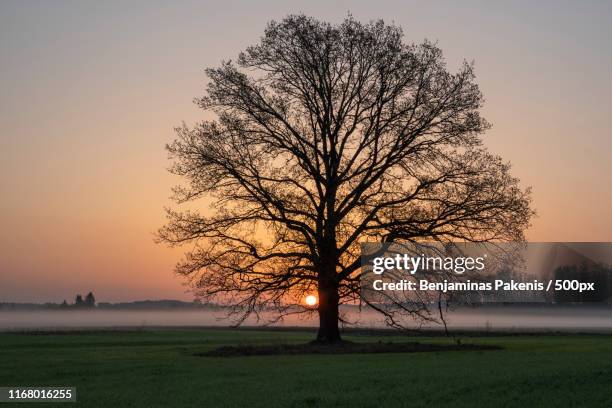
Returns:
point(311, 300)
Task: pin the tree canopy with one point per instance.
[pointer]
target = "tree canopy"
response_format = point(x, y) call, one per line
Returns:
point(326, 136)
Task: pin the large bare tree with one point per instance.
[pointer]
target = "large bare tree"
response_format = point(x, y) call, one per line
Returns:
point(326, 136)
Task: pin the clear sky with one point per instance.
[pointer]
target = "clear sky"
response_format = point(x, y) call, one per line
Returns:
point(90, 92)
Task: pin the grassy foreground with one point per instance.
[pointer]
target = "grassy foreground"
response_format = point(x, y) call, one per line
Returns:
point(157, 368)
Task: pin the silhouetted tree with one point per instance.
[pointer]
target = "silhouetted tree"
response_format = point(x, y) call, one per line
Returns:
point(90, 300)
point(326, 136)
point(78, 301)
point(64, 304)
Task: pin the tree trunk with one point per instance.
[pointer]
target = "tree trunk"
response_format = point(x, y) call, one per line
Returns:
point(328, 313)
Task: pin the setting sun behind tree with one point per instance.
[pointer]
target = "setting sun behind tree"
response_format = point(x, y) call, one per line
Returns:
point(311, 300)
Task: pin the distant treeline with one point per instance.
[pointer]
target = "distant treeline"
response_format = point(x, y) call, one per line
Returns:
point(84, 304)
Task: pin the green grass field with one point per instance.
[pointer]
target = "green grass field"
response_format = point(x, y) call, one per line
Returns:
point(157, 368)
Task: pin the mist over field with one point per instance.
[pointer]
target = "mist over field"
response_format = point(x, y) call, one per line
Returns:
point(563, 318)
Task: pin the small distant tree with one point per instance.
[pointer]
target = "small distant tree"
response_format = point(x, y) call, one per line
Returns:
point(90, 300)
point(64, 304)
point(78, 301)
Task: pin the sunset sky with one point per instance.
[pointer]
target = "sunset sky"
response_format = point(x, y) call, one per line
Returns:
point(90, 93)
